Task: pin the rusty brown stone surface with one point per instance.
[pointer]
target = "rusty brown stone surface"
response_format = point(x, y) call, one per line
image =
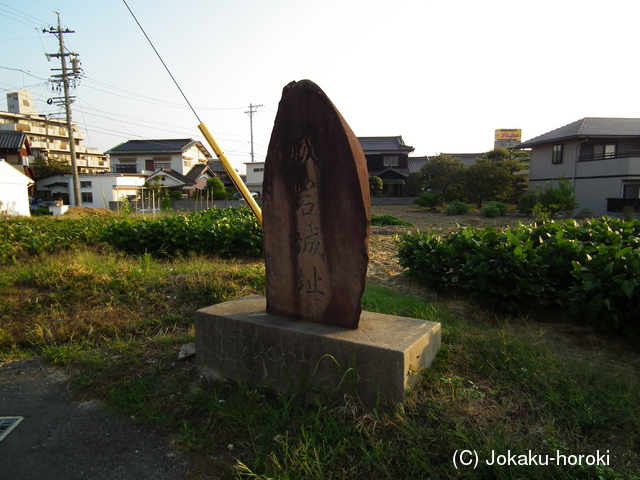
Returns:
point(316, 212)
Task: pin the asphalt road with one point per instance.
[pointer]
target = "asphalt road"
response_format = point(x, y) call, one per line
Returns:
point(60, 439)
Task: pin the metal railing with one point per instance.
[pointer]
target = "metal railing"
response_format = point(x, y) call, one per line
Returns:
point(608, 156)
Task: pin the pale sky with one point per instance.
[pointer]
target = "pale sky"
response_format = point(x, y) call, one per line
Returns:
point(443, 74)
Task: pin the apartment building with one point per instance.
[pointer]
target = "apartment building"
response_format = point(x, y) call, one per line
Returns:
point(48, 136)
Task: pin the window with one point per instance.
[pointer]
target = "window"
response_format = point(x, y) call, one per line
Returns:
point(631, 190)
point(85, 184)
point(604, 150)
point(255, 170)
point(390, 161)
point(598, 151)
point(124, 168)
point(163, 166)
point(556, 153)
point(87, 197)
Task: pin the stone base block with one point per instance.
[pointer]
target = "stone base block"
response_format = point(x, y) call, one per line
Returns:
point(379, 361)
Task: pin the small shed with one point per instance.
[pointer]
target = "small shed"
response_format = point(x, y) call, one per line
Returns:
point(14, 190)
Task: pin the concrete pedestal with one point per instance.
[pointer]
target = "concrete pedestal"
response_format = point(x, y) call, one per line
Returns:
point(379, 361)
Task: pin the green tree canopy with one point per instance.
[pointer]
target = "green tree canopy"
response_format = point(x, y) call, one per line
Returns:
point(414, 185)
point(47, 166)
point(487, 180)
point(441, 172)
point(215, 186)
point(375, 186)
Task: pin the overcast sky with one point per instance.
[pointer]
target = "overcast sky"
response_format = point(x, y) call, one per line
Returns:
point(443, 74)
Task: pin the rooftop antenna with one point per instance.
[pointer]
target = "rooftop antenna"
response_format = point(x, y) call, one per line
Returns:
point(235, 178)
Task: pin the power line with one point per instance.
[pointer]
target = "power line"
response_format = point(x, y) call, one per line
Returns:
point(22, 14)
point(164, 64)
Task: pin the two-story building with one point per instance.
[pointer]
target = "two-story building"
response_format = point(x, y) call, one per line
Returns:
point(388, 159)
point(149, 156)
point(601, 156)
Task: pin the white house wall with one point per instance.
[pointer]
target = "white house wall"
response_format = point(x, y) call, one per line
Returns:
point(107, 188)
point(14, 193)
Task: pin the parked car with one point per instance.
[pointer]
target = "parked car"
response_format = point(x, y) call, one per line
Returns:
point(239, 196)
point(41, 204)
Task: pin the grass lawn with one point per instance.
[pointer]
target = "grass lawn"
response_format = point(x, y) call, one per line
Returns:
point(498, 386)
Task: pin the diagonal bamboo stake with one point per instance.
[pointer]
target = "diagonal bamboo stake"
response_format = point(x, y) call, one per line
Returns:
point(235, 178)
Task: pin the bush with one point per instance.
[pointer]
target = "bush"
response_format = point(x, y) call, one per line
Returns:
point(527, 202)
point(375, 186)
point(457, 208)
point(494, 209)
point(429, 200)
point(552, 199)
point(387, 220)
point(590, 269)
point(224, 232)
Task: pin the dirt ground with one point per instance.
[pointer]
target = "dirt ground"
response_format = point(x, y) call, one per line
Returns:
point(383, 264)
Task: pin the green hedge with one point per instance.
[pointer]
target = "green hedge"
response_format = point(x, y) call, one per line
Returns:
point(224, 232)
point(23, 237)
point(591, 269)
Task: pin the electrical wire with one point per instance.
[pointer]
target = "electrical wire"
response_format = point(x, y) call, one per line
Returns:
point(161, 60)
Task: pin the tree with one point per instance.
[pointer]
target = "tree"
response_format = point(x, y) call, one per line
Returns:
point(487, 180)
point(43, 166)
point(442, 172)
point(414, 185)
point(375, 186)
point(516, 163)
point(216, 187)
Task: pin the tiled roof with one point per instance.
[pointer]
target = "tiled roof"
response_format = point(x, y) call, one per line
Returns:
point(216, 166)
point(384, 144)
point(416, 163)
point(176, 175)
point(391, 172)
point(466, 158)
point(589, 127)
point(153, 146)
point(12, 140)
point(198, 170)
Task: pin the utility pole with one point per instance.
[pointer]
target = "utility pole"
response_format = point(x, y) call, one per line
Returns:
point(251, 112)
point(65, 79)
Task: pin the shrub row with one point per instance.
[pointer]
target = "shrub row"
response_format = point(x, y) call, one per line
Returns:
point(224, 232)
point(591, 269)
point(20, 237)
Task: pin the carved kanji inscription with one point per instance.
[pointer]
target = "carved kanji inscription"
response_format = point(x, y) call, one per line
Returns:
point(316, 212)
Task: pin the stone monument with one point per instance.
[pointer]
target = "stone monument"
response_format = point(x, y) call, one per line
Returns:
point(310, 334)
point(316, 212)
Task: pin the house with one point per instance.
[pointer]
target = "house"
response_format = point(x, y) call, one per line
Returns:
point(601, 156)
point(388, 159)
point(150, 156)
point(96, 190)
point(196, 178)
point(48, 136)
point(14, 190)
point(255, 176)
point(15, 147)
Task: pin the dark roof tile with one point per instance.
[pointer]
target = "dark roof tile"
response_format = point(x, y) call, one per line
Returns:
point(153, 146)
point(589, 127)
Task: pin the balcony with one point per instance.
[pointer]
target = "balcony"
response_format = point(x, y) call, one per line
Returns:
point(609, 156)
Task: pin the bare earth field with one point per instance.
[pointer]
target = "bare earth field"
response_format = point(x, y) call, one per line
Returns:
point(382, 246)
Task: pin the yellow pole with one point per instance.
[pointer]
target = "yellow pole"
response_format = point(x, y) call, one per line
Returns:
point(235, 178)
